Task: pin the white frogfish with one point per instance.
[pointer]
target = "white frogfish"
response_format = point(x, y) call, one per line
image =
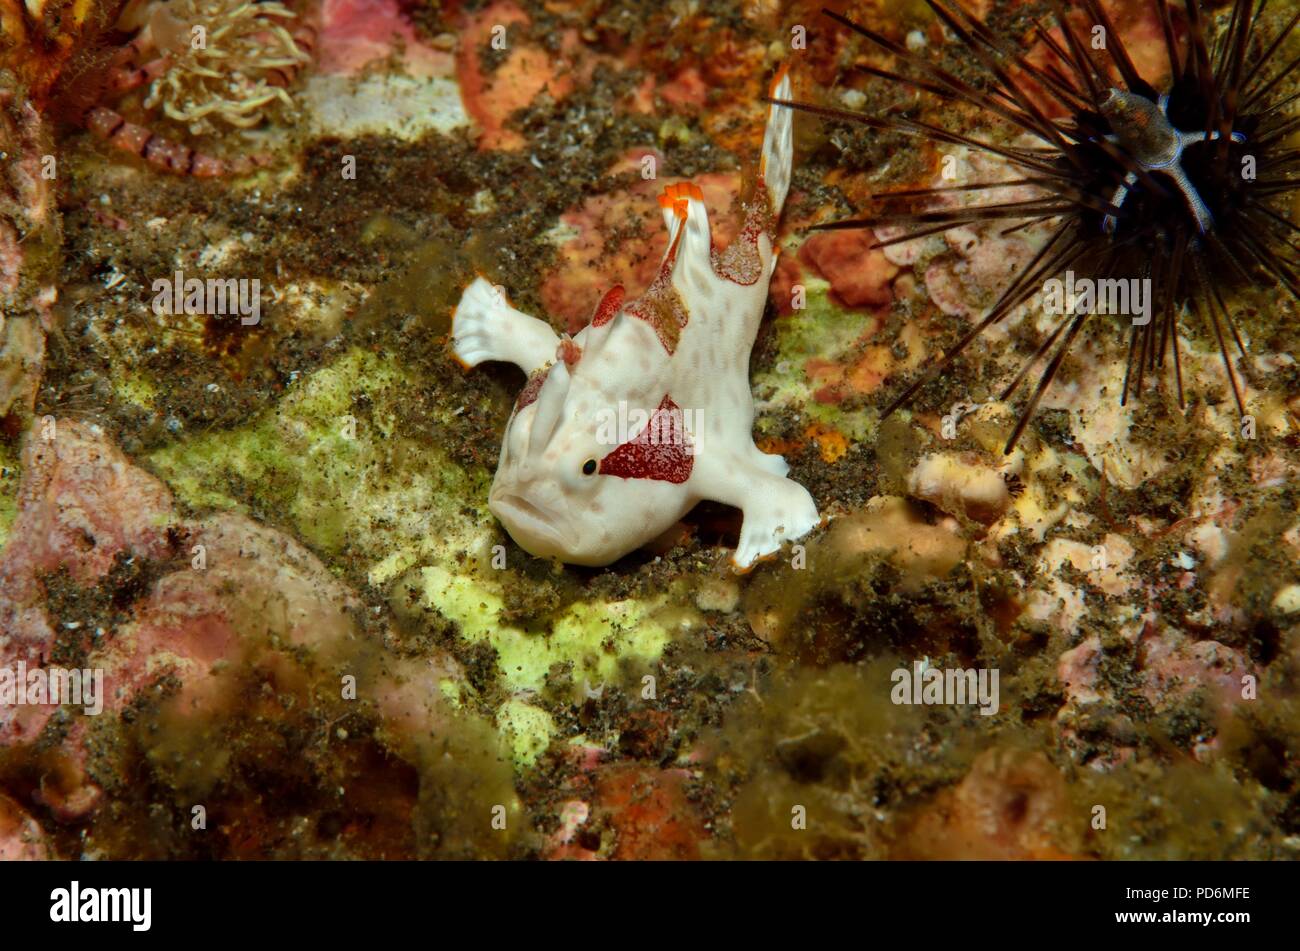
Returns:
point(624, 427)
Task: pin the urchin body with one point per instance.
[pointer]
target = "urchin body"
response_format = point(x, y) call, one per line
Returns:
point(1158, 146)
point(647, 411)
point(1186, 187)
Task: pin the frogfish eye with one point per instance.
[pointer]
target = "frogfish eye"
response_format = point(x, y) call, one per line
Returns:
point(589, 467)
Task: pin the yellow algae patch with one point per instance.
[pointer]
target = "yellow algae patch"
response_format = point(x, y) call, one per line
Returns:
point(527, 729)
point(593, 638)
point(9, 477)
point(131, 387)
point(340, 478)
point(824, 332)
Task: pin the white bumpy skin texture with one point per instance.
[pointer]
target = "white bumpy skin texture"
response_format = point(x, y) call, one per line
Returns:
point(624, 427)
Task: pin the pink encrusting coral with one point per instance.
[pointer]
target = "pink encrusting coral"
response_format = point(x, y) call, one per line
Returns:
point(629, 813)
point(81, 506)
point(505, 64)
point(355, 34)
point(29, 228)
point(1171, 671)
point(195, 608)
point(859, 272)
point(528, 70)
point(26, 198)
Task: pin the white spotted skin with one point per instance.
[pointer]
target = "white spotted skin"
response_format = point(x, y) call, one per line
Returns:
point(540, 492)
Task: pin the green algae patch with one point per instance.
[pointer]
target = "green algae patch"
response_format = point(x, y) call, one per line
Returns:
point(329, 458)
point(528, 730)
point(132, 387)
point(591, 639)
point(822, 331)
point(10, 473)
point(589, 642)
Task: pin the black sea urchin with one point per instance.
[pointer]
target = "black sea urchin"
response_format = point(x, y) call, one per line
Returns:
point(1185, 187)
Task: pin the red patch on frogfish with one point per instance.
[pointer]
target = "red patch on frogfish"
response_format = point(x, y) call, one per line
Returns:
point(532, 388)
point(741, 263)
point(609, 306)
point(659, 452)
point(662, 308)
